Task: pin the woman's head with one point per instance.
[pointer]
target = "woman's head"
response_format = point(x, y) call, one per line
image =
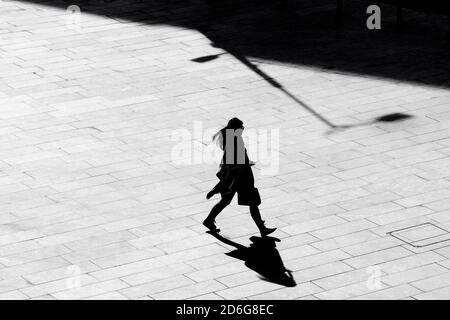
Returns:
point(235, 124)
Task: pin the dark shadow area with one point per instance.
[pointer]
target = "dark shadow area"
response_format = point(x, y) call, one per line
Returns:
point(303, 32)
point(262, 257)
point(431, 6)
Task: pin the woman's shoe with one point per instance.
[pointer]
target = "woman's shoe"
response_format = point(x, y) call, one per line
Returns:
point(210, 194)
point(267, 231)
point(264, 230)
point(211, 225)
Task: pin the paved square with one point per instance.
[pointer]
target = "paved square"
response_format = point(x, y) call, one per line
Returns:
point(92, 97)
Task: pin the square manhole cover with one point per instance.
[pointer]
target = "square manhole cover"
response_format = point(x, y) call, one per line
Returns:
point(421, 235)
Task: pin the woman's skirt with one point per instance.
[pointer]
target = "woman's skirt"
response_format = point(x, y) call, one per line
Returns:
point(240, 180)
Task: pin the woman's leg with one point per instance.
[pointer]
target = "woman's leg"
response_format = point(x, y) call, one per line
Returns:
point(214, 190)
point(222, 204)
point(256, 216)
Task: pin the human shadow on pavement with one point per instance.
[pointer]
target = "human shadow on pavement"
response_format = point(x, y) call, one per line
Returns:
point(262, 257)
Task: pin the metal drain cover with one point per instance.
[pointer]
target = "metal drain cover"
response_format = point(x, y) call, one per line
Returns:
point(421, 235)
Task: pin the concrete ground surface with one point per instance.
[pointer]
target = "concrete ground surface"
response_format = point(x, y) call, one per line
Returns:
point(95, 205)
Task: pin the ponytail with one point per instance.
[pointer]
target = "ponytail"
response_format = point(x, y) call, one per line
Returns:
point(218, 134)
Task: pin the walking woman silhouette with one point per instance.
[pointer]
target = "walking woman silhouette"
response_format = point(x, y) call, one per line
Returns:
point(235, 176)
